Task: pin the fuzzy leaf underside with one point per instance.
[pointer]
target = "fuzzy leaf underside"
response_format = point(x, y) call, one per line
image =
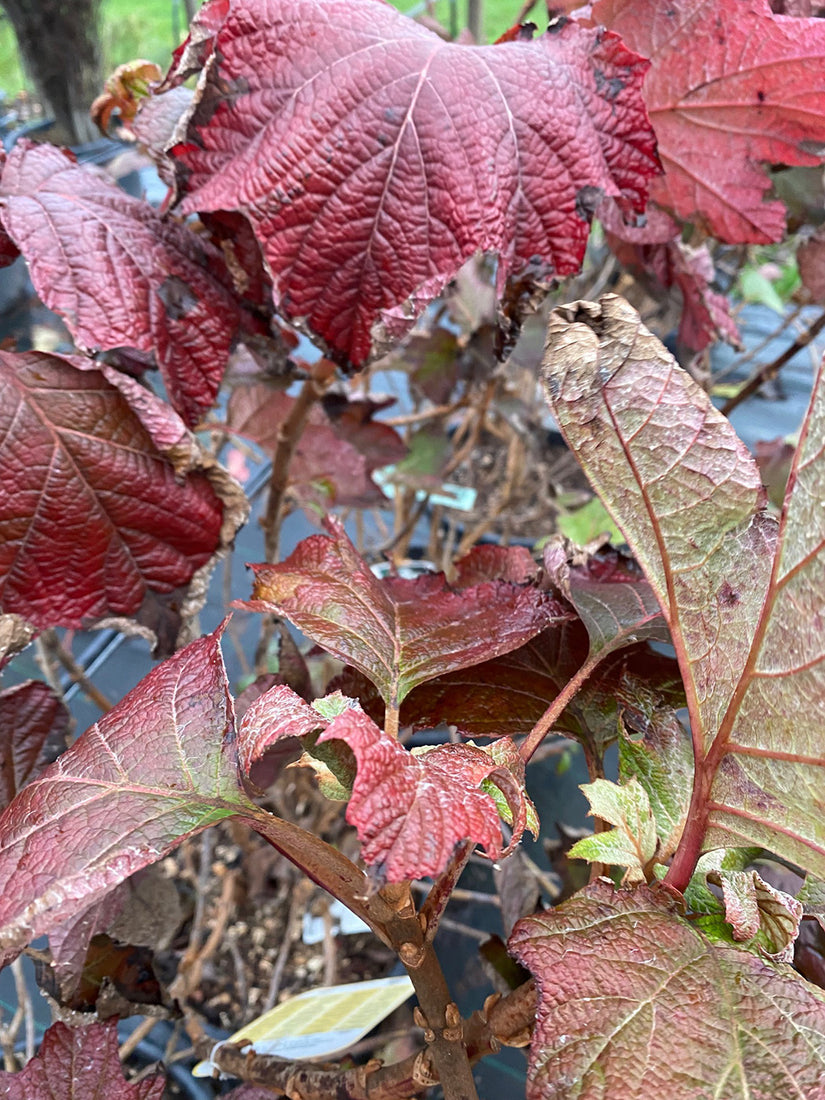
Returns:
point(665, 1013)
point(688, 497)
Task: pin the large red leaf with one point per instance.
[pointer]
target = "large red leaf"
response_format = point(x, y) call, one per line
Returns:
point(118, 273)
point(103, 510)
point(411, 810)
point(154, 770)
point(635, 1003)
point(731, 88)
point(743, 596)
point(78, 1063)
point(373, 158)
point(34, 723)
point(157, 768)
point(399, 633)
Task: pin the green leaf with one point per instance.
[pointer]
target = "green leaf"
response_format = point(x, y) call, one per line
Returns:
point(588, 523)
point(662, 762)
point(632, 844)
point(754, 287)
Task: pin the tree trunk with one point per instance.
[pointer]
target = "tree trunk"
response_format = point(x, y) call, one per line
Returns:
point(59, 48)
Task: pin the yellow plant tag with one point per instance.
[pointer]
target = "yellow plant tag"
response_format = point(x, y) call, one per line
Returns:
point(321, 1021)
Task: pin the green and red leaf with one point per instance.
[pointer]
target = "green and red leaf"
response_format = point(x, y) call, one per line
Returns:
point(730, 580)
point(398, 632)
point(623, 1013)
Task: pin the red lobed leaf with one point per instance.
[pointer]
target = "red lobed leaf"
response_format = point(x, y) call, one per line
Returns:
point(398, 632)
point(152, 771)
point(412, 810)
point(356, 143)
point(78, 1063)
point(731, 88)
point(101, 512)
point(34, 723)
point(118, 273)
point(275, 714)
point(664, 1013)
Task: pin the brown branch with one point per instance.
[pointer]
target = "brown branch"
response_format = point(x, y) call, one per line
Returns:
point(307, 1081)
point(536, 735)
point(504, 1021)
point(56, 649)
point(770, 370)
point(289, 436)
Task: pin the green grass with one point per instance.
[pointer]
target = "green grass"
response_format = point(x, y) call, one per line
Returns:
point(128, 32)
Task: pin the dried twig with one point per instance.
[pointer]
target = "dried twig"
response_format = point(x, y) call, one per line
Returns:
point(57, 650)
point(770, 370)
point(128, 1046)
point(300, 897)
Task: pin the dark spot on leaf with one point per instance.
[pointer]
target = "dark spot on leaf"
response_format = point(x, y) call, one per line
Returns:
point(391, 115)
point(610, 87)
point(383, 139)
point(760, 96)
point(177, 297)
point(727, 596)
point(587, 201)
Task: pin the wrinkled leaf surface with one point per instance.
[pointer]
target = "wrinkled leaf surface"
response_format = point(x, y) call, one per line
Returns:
point(78, 1063)
point(373, 158)
point(731, 88)
point(152, 771)
point(118, 274)
point(632, 1015)
point(399, 633)
point(411, 810)
point(95, 519)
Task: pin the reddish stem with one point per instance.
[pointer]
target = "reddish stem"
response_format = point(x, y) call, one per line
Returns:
point(555, 710)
